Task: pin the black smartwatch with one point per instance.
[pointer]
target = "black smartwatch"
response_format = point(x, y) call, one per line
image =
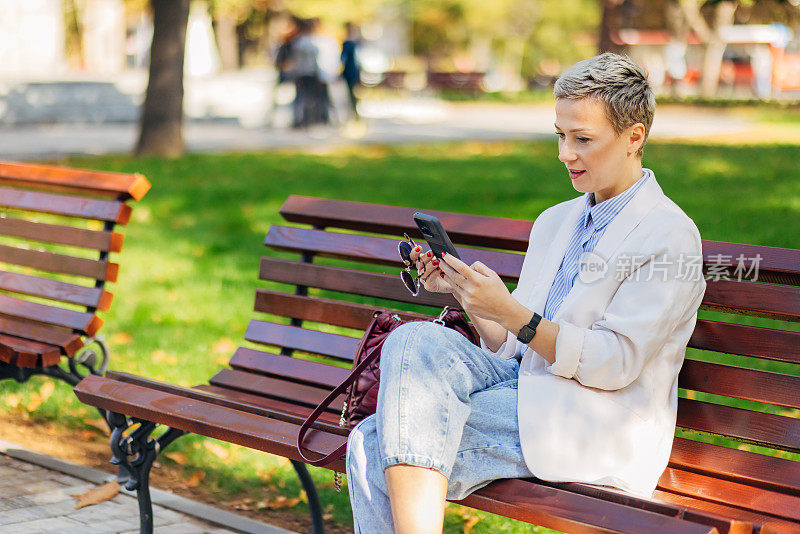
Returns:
point(527, 332)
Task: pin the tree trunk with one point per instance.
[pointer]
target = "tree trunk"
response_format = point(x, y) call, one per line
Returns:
point(715, 48)
point(161, 122)
point(227, 41)
point(609, 25)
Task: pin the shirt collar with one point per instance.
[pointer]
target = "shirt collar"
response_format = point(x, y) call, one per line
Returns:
point(604, 212)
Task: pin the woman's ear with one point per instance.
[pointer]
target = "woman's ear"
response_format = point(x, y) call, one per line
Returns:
point(635, 138)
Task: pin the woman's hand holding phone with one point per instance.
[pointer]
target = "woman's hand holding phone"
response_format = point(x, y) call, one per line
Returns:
point(479, 290)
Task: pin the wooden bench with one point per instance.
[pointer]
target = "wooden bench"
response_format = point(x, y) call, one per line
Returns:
point(713, 483)
point(468, 82)
point(57, 230)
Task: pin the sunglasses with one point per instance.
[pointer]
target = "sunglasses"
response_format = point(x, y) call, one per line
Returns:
point(404, 248)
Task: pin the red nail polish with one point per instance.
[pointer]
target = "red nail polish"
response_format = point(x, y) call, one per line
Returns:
point(418, 249)
point(435, 262)
point(444, 253)
point(430, 253)
point(441, 274)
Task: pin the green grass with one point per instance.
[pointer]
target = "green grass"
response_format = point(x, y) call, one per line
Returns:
point(190, 261)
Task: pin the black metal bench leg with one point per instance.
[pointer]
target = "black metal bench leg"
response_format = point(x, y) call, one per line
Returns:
point(134, 454)
point(93, 356)
point(313, 498)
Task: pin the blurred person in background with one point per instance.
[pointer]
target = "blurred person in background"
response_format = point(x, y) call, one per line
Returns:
point(310, 103)
point(283, 63)
point(315, 63)
point(351, 70)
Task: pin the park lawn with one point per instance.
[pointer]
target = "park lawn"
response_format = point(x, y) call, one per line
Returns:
point(190, 261)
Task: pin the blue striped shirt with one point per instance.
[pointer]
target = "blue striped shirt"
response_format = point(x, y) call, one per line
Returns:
point(588, 230)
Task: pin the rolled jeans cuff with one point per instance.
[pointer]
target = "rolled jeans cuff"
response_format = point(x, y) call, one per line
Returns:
point(417, 461)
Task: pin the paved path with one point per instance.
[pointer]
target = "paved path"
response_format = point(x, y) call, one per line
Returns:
point(36, 498)
point(398, 121)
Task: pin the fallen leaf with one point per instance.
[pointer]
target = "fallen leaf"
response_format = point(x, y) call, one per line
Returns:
point(46, 390)
point(223, 346)
point(177, 457)
point(121, 338)
point(242, 504)
point(162, 356)
point(470, 523)
point(194, 480)
point(279, 502)
point(216, 450)
point(97, 495)
point(35, 402)
point(141, 214)
point(13, 400)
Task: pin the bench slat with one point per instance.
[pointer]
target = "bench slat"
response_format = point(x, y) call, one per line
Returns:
point(55, 290)
point(769, 472)
point(378, 250)
point(328, 420)
point(762, 428)
point(777, 265)
point(763, 521)
point(26, 353)
point(229, 398)
point(776, 302)
point(85, 208)
point(730, 493)
point(63, 235)
point(767, 343)
point(571, 512)
point(104, 183)
point(348, 281)
point(741, 383)
point(85, 322)
point(268, 363)
point(320, 310)
point(763, 300)
point(279, 335)
point(59, 263)
point(274, 388)
point(494, 232)
point(204, 418)
point(62, 337)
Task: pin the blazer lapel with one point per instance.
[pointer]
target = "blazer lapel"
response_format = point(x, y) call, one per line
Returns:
point(616, 232)
point(627, 219)
point(554, 253)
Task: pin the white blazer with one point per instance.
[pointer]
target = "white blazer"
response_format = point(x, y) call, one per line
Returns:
point(604, 413)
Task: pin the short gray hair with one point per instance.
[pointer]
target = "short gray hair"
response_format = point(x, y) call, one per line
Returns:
point(618, 83)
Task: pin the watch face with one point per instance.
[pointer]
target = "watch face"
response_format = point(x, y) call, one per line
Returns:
point(526, 334)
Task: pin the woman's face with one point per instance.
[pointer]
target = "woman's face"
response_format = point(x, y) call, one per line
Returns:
point(598, 160)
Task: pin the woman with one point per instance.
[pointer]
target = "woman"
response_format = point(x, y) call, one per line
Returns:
point(576, 376)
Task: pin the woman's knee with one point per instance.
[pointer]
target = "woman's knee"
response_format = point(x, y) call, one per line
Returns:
point(412, 342)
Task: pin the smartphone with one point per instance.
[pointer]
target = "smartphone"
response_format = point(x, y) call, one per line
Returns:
point(433, 232)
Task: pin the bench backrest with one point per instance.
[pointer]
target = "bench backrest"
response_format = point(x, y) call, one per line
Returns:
point(57, 230)
point(740, 388)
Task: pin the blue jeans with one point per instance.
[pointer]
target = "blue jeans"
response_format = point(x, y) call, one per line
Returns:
point(443, 404)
